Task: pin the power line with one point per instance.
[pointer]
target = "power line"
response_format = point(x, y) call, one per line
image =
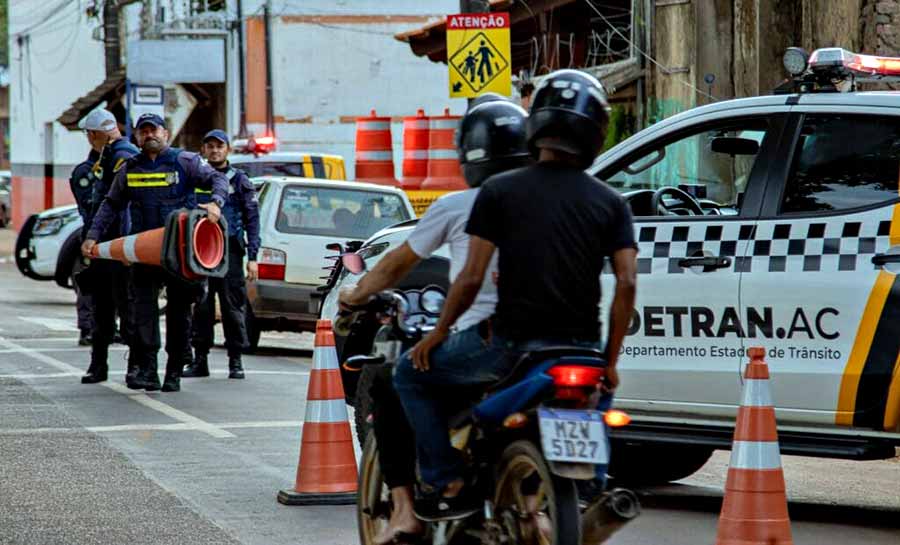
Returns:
point(53, 12)
point(665, 69)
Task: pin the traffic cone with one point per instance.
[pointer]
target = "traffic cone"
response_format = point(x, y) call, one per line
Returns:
point(326, 471)
point(415, 150)
point(145, 248)
point(754, 511)
point(375, 150)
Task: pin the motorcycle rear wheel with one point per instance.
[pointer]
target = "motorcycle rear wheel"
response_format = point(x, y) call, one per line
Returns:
point(373, 504)
point(538, 507)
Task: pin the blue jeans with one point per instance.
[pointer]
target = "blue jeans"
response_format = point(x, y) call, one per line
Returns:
point(464, 359)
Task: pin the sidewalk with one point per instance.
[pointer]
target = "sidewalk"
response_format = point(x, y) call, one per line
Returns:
point(7, 242)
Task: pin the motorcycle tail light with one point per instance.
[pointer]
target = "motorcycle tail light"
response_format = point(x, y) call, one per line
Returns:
point(575, 376)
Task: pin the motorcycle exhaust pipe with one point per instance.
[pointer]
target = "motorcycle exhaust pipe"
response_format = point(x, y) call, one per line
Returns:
point(608, 515)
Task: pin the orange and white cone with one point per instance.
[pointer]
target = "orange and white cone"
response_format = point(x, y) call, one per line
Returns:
point(754, 511)
point(326, 472)
point(143, 248)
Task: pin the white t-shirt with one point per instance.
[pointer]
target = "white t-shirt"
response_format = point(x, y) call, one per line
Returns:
point(445, 222)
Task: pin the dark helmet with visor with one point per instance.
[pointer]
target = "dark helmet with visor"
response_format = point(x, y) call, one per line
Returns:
point(491, 139)
point(569, 113)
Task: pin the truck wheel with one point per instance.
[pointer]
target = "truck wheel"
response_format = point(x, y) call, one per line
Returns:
point(644, 464)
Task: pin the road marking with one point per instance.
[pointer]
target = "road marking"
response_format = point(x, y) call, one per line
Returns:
point(79, 349)
point(55, 324)
point(181, 426)
point(39, 375)
point(138, 397)
point(32, 376)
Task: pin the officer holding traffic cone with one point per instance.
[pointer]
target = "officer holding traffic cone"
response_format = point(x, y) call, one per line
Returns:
point(152, 184)
point(242, 215)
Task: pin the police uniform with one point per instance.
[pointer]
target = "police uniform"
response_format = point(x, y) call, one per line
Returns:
point(81, 182)
point(113, 276)
point(151, 190)
point(241, 211)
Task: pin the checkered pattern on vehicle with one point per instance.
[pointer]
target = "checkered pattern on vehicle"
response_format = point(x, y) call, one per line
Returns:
point(835, 244)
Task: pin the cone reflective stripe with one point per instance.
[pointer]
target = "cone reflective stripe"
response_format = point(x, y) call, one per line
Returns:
point(375, 150)
point(144, 248)
point(444, 171)
point(415, 150)
point(754, 511)
point(326, 472)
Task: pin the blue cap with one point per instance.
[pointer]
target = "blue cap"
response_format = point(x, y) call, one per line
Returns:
point(152, 119)
point(219, 135)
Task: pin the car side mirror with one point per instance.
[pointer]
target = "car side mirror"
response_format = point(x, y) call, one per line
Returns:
point(354, 263)
point(731, 145)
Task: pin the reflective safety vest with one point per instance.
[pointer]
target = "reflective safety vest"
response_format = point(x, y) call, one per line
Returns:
point(233, 204)
point(156, 189)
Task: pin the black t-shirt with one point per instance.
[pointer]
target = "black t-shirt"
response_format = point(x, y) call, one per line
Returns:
point(554, 227)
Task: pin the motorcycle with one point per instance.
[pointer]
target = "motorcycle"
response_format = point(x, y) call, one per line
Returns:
point(529, 438)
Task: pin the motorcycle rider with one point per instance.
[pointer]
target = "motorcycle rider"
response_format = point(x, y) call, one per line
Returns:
point(553, 227)
point(491, 139)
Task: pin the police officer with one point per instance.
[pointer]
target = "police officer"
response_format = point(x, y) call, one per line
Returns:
point(152, 184)
point(81, 182)
point(104, 131)
point(242, 215)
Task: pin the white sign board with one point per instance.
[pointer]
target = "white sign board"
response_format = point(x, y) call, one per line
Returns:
point(147, 99)
point(176, 61)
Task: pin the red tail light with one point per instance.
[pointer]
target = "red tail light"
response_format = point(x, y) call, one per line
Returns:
point(272, 264)
point(575, 376)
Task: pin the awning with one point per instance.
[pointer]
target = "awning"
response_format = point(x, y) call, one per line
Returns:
point(431, 40)
point(110, 91)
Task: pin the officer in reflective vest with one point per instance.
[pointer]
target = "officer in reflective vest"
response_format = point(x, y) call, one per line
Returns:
point(242, 215)
point(112, 276)
point(81, 182)
point(152, 184)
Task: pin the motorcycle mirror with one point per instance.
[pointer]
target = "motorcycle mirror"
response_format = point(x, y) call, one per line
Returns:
point(354, 263)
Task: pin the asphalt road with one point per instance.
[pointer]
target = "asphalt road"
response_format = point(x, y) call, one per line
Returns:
point(102, 464)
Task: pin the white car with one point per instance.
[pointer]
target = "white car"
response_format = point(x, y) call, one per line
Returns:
point(47, 246)
point(299, 217)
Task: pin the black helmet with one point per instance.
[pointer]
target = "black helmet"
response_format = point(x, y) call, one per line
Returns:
point(485, 98)
point(491, 139)
point(569, 113)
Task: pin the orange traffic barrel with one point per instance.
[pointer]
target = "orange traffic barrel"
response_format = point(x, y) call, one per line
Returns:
point(443, 162)
point(374, 150)
point(415, 150)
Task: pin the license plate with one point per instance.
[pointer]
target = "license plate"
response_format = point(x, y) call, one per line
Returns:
point(573, 436)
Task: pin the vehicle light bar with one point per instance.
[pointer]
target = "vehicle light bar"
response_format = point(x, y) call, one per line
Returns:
point(863, 67)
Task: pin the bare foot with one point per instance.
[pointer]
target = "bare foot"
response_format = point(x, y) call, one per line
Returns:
point(400, 524)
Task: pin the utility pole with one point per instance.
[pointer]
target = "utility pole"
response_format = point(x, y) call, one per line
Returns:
point(242, 127)
point(474, 6)
point(270, 116)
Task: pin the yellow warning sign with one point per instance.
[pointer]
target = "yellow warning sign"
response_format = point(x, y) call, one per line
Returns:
point(478, 54)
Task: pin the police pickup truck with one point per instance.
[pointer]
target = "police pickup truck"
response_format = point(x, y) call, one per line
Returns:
point(771, 221)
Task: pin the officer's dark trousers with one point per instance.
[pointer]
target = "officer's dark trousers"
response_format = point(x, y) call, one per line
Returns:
point(110, 298)
point(232, 293)
point(84, 304)
point(143, 295)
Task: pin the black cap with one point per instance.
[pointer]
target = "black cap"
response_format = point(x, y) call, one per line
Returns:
point(151, 119)
point(219, 135)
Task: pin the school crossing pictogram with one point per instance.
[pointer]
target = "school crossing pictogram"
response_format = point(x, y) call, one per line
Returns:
point(478, 49)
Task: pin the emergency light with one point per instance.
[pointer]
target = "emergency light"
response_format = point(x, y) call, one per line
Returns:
point(836, 63)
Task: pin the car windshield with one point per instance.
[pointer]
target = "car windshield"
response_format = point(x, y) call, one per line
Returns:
point(345, 213)
point(280, 168)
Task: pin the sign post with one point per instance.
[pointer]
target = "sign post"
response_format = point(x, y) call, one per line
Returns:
point(478, 54)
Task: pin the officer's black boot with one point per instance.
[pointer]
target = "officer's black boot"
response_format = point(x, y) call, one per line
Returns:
point(85, 339)
point(235, 369)
point(173, 376)
point(131, 373)
point(98, 369)
point(199, 367)
point(148, 376)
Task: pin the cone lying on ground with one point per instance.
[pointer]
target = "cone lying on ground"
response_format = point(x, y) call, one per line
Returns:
point(754, 511)
point(326, 472)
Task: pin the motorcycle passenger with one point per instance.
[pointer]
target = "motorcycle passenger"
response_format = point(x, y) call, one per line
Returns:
point(553, 226)
point(491, 139)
